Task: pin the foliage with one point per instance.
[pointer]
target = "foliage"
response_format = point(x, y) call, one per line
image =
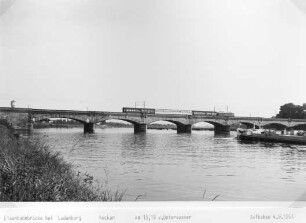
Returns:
point(5, 123)
point(30, 172)
point(292, 111)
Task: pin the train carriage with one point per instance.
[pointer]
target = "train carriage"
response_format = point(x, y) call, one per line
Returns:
point(212, 113)
point(138, 110)
point(173, 112)
point(226, 114)
point(204, 113)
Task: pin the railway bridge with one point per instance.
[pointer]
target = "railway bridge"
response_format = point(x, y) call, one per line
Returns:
point(24, 118)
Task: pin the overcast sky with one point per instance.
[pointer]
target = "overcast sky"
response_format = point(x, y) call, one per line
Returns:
point(249, 55)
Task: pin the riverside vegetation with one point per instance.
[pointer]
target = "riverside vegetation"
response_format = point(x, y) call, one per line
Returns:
point(29, 171)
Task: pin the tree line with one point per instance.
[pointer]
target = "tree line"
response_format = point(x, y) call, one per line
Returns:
point(292, 111)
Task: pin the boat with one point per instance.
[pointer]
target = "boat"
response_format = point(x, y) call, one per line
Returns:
point(271, 135)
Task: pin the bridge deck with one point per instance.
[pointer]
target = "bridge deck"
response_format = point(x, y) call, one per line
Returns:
point(120, 115)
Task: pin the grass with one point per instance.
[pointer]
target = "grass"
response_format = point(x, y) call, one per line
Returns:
point(29, 171)
point(211, 199)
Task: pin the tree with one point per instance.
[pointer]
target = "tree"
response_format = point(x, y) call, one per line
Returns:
point(291, 110)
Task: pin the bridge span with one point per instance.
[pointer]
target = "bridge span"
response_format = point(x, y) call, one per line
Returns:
point(24, 118)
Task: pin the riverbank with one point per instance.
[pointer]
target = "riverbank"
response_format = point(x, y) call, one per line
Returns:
point(29, 171)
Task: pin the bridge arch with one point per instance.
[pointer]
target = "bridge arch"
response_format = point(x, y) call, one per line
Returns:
point(181, 126)
point(211, 122)
point(204, 124)
point(249, 125)
point(131, 121)
point(139, 127)
point(173, 122)
point(299, 126)
point(78, 120)
point(128, 120)
point(220, 126)
point(115, 120)
point(43, 119)
point(40, 118)
point(275, 125)
point(163, 125)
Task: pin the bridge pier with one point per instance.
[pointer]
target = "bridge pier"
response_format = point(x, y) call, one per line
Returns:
point(20, 121)
point(89, 127)
point(222, 129)
point(140, 128)
point(183, 128)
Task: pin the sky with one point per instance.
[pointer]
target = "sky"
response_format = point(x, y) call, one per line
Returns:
point(245, 55)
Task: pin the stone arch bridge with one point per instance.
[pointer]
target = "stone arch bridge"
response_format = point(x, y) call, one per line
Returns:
point(23, 119)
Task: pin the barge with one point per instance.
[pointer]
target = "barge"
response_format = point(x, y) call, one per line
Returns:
point(263, 135)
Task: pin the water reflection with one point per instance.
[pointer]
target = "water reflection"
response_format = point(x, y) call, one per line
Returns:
point(222, 135)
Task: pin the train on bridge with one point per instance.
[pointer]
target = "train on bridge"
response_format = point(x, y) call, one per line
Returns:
point(176, 112)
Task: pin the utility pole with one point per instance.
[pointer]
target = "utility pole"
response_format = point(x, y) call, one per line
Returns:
point(142, 104)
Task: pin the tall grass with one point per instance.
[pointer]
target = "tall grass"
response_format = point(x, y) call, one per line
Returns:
point(29, 171)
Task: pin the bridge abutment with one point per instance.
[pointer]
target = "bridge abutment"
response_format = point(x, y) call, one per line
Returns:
point(140, 128)
point(20, 121)
point(183, 128)
point(222, 129)
point(88, 127)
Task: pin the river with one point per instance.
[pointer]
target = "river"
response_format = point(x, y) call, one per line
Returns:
point(162, 165)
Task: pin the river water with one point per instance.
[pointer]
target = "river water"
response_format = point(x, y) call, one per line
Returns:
point(162, 165)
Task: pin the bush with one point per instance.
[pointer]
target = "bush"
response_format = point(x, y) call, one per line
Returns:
point(30, 172)
point(4, 124)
